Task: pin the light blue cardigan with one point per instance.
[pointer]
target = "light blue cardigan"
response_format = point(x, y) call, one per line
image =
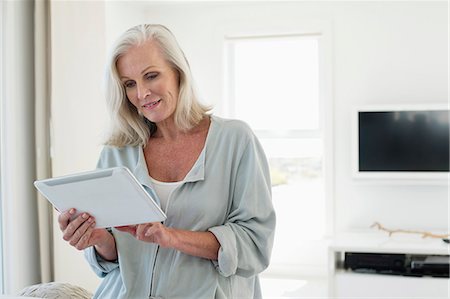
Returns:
point(227, 192)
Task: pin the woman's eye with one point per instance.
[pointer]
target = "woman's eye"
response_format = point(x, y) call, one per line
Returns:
point(129, 84)
point(151, 76)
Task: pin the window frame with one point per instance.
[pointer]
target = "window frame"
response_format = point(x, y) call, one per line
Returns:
point(323, 35)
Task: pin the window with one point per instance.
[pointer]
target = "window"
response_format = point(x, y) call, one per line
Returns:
point(274, 84)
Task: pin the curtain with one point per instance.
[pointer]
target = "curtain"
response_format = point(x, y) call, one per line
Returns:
point(26, 221)
point(42, 131)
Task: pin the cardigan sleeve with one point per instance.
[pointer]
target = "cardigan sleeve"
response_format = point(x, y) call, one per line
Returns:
point(246, 238)
point(100, 266)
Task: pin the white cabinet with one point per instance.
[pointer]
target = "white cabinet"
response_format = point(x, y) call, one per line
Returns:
point(357, 285)
point(349, 284)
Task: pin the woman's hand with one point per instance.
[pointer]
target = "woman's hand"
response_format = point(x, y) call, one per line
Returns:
point(154, 232)
point(81, 233)
point(201, 244)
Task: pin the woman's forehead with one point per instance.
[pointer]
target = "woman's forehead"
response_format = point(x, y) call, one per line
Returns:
point(142, 55)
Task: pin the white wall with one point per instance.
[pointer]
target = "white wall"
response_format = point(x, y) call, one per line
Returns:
point(383, 53)
point(387, 53)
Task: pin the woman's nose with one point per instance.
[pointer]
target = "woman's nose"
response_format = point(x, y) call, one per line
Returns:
point(143, 92)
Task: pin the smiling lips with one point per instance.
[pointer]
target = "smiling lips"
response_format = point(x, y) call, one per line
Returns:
point(151, 104)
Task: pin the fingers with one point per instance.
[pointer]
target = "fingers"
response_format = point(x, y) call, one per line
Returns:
point(75, 224)
point(82, 234)
point(157, 233)
point(85, 238)
point(131, 229)
point(141, 229)
point(151, 230)
point(64, 218)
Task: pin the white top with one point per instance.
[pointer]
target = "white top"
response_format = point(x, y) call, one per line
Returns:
point(164, 190)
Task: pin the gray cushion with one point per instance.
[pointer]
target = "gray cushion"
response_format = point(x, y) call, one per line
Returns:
point(56, 290)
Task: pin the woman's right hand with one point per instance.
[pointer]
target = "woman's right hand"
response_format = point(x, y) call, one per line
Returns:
point(81, 233)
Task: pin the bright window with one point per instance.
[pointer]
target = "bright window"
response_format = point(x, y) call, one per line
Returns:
point(279, 78)
point(274, 85)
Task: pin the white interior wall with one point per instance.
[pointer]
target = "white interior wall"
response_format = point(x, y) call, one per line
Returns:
point(387, 53)
point(383, 53)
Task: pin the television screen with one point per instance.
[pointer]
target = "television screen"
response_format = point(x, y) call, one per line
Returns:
point(404, 141)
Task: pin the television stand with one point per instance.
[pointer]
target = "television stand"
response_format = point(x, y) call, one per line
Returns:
point(381, 259)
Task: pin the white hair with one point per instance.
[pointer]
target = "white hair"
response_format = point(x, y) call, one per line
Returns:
point(128, 127)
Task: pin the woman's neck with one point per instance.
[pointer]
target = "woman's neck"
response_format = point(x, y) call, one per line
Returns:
point(170, 132)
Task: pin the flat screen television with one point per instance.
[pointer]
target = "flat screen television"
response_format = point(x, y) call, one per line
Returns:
point(402, 141)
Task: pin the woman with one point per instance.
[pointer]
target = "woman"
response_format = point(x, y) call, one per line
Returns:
point(209, 174)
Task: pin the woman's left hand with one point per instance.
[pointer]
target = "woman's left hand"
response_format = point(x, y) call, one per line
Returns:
point(154, 232)
point(201, 244)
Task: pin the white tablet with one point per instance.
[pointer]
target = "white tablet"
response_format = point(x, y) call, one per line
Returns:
point(113, 196)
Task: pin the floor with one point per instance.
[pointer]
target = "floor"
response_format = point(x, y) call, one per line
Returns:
point(273, 288)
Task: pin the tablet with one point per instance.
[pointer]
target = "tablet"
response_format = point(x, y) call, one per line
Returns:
point(112, 195)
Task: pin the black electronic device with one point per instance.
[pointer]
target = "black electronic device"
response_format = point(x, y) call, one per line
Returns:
point(434, 265)
point(404, 141)
point(398, 264)
point(401, 142)
point(375, 262)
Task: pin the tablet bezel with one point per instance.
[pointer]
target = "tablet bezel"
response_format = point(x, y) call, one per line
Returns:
point(93, 192)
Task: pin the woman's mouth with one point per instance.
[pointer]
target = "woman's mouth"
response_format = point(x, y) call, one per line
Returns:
point(151, 105)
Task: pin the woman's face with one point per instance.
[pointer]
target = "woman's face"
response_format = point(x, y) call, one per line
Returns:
point(150, 82)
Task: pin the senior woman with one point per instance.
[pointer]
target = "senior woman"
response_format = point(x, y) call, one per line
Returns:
point(208, 174)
